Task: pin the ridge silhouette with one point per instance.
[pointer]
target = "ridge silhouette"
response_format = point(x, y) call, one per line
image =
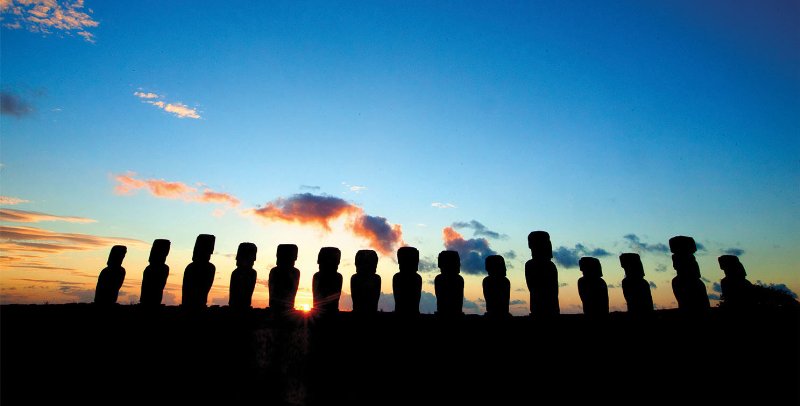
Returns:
point(243, 278)
point(365, 284)
point(155, 275)
point(111, 277)
point(592, 289)
point(496, 287)
point(541, 276)
point(326, 284)
point(689, 289)
point(199, 275)
point(634, 287)
point(284, 279)
point(449, 285)
point(407, 283)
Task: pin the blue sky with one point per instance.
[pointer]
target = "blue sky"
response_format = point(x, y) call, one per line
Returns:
point(591, 121)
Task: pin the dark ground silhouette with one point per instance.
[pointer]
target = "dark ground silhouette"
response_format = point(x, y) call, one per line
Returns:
point(87, 354)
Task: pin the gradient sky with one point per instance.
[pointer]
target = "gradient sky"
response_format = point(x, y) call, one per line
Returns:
point(364, 125)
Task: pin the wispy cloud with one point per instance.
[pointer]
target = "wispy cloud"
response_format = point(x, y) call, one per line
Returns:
point(10, 201)
point(439, 205)
point(128, 184)
point(47, 16)
point(478, 229)
point(33, 239)
point(146, 95)
point(473, 251)
point(178, 109)
point(309, 187)
point(354, 188)
point(23, 216)
point(639, 246)
point(13, 105)
point(733, 251)
point(569, 257)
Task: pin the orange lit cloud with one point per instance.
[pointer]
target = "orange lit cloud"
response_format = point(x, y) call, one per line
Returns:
point(128, 183)
point(473, 251)
point(33, 239)
point(22, 216)
point(8, 200)
point(44, 16)
point(307, 208)
point(384, 237)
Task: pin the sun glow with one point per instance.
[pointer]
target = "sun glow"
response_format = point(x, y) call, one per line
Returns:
point(305, 308)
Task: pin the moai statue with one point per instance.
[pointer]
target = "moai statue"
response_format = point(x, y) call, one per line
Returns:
point(155, 275)
point(541, 276)
point(737, 291)
point(326, 285)
point(689, 290)
point(496, 287)
point(243, 278)
point(407, 284)
point(284, 279)
point(635, 288)
point(365, 284)
point(111, 277)
point(199, 275)
point(449, 285)
point(592, 288)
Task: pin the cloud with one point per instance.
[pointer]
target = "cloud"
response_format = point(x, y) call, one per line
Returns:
point(309, 187)
point(178, 109)
point(443, 205)
point(638, 246)
point(146, 95)
point(427, 303)
point(382, 236)
point(128, 184)
point(32, 239)
point(471, 306)
point(733, 251)
point(478, 229)
point(653, 285)
point(307, 208)
point(713, 296)
point(517, 302)
point(428, 265)
point(354, 188)
point(473, 251)
point(568, 257)
point(10, 201)
point(320, 210)
point(510, 255)
point(22, 216)
point(45, 16)
point(661, 268)
point(13, 105)
point(716, 287)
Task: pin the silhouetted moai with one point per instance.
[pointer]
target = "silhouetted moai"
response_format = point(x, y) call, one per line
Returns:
point(496, 287)
point(449, 285)
point(326, 285)
point(284, 279)
point(199, 275)
point(365, 284)
point(243, 278)
point(635, 288)
point(737, 291)
point(689, 290)
point(407, 284)
point(155, 275)
point(541, 276)
point(592, 288)
point(111, 277)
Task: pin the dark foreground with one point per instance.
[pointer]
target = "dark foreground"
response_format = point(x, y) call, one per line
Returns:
point(78, 354)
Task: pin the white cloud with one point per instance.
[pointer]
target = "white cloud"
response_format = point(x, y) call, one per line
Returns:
point(180, 110)
point(8, 200)
point(443, 205)
point(146, 95)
